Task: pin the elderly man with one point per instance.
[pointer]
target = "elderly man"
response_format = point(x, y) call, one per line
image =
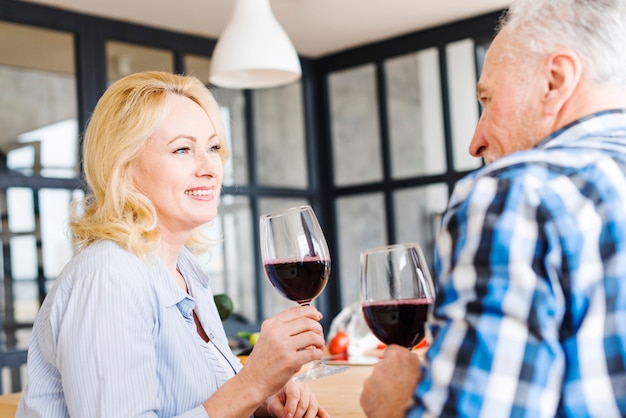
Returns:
point(530, 317)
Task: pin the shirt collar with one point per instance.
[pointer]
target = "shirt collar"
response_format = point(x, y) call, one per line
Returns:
point(599, 124)
point(167, 290)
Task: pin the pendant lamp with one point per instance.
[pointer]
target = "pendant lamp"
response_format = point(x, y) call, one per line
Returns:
point(254, 51)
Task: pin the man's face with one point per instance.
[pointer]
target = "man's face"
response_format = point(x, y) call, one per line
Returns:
point(510, 92)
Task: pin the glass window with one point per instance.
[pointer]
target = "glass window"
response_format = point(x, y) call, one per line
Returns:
point(125, 58)
point(230, 260)
point(37, 230)
point(197, 66)
point(39, 137)
point(463, 103)
point(415, 114)
point(418, 215)
point(279, 136)
point(38, 104)
point(232, 103)
point(361, 220)
point(355, 126)
point(56, 249)
point(481, 53)
point(34, 242)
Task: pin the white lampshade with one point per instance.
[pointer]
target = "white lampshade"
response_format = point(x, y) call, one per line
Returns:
point(254, 51)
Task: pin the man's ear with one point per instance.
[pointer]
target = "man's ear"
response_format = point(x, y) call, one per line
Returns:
point(563, 71)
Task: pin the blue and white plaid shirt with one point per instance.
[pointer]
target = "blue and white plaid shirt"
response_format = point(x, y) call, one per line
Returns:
point(530, 318)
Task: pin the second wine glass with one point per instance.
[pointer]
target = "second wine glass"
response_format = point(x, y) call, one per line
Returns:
point(297, 262)
point(396, 293)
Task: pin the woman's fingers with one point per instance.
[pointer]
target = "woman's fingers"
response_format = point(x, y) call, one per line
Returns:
point(300, 311)
point(300, 402)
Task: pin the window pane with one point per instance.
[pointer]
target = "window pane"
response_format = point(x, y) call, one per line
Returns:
point(279, 136)
point(56, 248)
point(232, 103)
point(37, 236)
point(24, 257)
point(415, 117)
point(267, 205)
point(361, 220)
point(26, 304)
point(124, 59)
point(20, 210)
point(355, 127)
point(418, 214)
point(463, 104)
point(38, 104)
point(36, 245)
point(230, 261)
point(197, 66)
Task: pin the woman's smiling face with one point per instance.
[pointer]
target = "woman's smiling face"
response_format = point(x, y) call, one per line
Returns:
point(180, 169)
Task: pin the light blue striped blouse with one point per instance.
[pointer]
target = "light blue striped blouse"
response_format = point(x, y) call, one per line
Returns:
point(115, 337)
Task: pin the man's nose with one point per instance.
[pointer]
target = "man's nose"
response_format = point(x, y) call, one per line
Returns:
point(478, 145)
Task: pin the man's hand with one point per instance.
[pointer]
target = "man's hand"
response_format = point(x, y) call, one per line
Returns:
point(389, 389)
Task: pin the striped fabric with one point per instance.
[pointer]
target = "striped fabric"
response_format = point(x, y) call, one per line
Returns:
point(115, 337)
point(530, 318)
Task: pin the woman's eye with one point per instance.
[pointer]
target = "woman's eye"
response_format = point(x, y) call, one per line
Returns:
point(215, 148)
point(183, 150)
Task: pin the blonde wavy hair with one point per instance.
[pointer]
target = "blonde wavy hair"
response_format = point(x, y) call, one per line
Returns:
point(125, 117)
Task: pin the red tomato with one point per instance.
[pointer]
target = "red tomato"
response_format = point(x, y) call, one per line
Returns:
point(422, 344)
point(339, 343)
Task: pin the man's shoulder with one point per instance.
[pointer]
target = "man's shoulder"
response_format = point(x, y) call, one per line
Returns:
point(548, 163)
point(544, 176)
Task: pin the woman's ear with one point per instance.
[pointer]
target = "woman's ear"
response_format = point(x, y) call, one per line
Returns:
point(563, 71)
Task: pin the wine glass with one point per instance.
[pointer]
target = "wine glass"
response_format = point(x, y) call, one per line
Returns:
point(396, 293)
point(297, 262)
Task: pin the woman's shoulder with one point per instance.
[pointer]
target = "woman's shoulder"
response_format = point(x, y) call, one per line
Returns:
point(104, 250)
point(106, 260)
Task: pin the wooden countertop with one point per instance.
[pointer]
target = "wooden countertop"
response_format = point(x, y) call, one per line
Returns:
point(339, 394)
point(8, 404)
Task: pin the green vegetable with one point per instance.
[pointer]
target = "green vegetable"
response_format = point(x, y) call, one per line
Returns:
point(252, 337)
point(224, 305)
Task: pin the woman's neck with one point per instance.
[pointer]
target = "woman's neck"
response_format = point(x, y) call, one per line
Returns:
point(169, 255)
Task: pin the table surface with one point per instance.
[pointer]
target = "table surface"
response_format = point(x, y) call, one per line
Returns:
point(339, 394)
point(8, 404)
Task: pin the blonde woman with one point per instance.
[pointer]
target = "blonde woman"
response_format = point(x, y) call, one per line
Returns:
point(130, 327)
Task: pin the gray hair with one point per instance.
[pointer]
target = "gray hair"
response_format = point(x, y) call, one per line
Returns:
point(594, 29)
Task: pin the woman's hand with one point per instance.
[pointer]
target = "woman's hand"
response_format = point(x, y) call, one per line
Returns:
point(295, 400)
point(286, 342)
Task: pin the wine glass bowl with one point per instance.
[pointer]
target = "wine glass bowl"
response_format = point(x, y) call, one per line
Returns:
point(297, 263)
point(295, 255)
point(396, 293)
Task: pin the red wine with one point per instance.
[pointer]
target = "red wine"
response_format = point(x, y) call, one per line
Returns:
point(397, 321)
point(299, 280)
